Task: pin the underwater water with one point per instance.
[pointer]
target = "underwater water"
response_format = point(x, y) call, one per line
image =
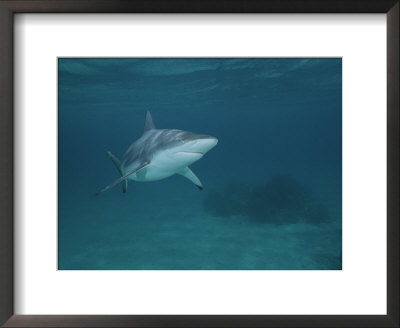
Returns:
point(272, 194)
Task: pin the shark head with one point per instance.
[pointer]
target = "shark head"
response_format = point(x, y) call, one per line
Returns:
point(189, 142)
point(183, 148)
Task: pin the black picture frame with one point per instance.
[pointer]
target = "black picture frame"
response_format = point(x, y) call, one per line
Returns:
point(10, 7)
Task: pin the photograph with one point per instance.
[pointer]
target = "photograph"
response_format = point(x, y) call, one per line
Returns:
point(199, 163)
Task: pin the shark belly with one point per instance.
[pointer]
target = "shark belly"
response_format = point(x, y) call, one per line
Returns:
point(164, 165)
point(152, 173)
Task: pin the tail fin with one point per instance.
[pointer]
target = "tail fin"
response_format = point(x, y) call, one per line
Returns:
point(124, 177)
point(117, 164)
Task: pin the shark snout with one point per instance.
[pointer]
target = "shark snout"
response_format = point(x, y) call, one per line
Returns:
point(203, 144)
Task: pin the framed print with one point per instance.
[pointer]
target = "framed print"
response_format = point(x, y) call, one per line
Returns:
point(199, 164)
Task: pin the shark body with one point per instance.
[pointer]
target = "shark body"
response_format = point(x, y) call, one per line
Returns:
point(160, 153)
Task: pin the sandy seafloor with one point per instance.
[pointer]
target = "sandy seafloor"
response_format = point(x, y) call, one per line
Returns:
point(274, 118)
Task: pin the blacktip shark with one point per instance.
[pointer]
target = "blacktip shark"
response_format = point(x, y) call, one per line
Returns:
point(160, 153)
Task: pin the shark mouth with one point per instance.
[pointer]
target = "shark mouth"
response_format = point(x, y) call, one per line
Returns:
point(191, 152)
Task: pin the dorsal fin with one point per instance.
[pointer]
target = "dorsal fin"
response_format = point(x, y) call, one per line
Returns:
point(148, 123)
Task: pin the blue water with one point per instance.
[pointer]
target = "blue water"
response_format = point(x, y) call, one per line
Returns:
point(272, 193)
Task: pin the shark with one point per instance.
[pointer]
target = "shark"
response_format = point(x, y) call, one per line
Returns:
point(159, 154)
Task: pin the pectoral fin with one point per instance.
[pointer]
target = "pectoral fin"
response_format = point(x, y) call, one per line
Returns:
point(188, 173)
point(141, 166)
